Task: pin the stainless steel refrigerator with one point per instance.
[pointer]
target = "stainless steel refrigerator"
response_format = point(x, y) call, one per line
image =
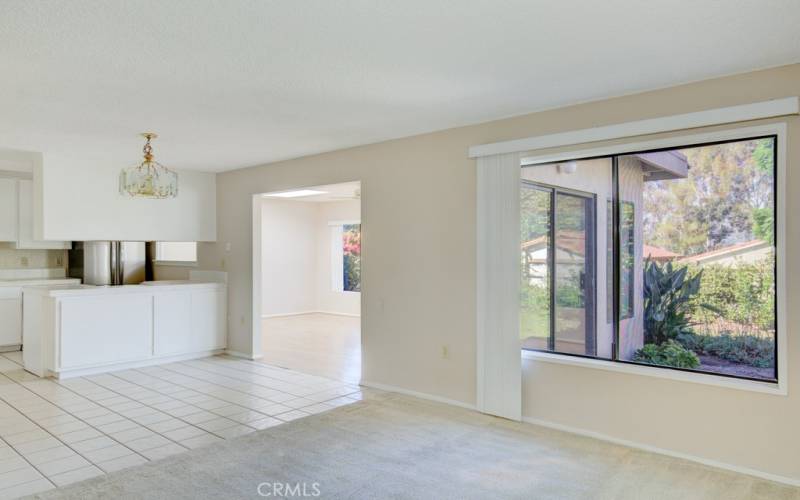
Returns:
point(108, 262)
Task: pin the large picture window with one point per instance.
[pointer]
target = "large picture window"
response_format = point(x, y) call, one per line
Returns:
point(687, 276)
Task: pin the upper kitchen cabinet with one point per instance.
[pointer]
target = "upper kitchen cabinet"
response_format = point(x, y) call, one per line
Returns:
point(8, 209)
point(25, 239)
point(16, 216)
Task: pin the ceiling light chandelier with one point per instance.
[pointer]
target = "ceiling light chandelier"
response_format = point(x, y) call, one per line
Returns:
point(149, 179)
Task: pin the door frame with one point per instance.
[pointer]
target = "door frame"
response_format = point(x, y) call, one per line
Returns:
point(257, 268)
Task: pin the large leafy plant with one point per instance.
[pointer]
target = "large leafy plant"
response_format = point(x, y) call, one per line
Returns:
point(668, 292)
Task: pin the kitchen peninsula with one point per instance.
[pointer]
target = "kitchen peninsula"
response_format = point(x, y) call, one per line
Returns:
point(71, 330)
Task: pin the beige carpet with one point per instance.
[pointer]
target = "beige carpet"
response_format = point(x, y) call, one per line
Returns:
point(391, 446)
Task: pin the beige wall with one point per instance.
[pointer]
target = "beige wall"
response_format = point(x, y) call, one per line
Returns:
point(11, 258)
point(418, 216)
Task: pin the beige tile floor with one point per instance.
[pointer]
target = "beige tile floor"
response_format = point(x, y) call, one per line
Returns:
point(328, 345)
point(53, 432)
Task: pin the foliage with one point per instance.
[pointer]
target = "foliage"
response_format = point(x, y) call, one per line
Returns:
point(741, 299)
point(668, 293)
point(351, 247)
point(716, 204)
point(744, 349)
point(764, 224)
point(670, 353)
point(534, 310)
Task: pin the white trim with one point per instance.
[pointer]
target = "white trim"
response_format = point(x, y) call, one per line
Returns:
point(656, 372)
point(241, 355)
point(343, 222)
point(175, 263)
point(717, 116)
point(334, 313)
point(284, 315)
point(778, 129)
point(109, 368)
point(662, 451)
point(421, 395)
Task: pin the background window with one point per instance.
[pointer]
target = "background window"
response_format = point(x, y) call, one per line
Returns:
point(346, 257)
point(176, 251)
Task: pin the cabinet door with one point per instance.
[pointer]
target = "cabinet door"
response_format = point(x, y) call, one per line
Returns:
point(25, 238)
point(8, 209)
point(10, 316)
point(105, 329)
point(209, 320)
point(172, 321)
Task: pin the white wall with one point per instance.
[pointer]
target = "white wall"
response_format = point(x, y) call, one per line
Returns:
point(329, 300)
point(296, 257)
point(288, 257)
point(80, 200)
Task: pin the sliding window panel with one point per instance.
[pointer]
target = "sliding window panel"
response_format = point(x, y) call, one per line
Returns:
point(566, 259)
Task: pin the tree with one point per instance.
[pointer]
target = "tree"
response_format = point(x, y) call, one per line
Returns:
point(726, 199)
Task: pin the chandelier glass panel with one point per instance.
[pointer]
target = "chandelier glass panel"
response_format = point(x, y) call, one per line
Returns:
point(149, 179)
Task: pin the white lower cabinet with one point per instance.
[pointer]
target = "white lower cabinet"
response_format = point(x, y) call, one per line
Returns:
point(208, 320)
point(10, 317)
point(88, 330)
point(172, 322)
point(105, 329)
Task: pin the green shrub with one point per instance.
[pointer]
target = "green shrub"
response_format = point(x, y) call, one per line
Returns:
point(741, 296)
point(669, 293)
point(670, 353)
point(745, 349)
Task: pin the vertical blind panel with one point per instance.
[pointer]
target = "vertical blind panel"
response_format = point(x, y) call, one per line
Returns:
point(498, 246)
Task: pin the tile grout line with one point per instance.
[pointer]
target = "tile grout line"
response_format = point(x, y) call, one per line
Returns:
point(247, 382)
point(217, 385)
point(161, 411)
point(240, 381)
point(69, 445)
point(263, 366)
point(291, 408)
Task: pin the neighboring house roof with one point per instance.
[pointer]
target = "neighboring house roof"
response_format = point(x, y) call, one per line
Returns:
point(737, 250)
point(573, 242)
point(658, 254)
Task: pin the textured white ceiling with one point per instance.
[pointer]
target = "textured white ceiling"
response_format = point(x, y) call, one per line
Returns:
point(234, 83)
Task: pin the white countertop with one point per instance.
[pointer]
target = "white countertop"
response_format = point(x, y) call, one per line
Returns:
point(77, 289)
point(39, 281)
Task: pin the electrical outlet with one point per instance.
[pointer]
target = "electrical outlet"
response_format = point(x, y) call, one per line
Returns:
point(59, 261)
point(445, 352)
point(23, 261)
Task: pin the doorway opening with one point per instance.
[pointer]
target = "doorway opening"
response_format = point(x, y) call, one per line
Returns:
point(308, 242)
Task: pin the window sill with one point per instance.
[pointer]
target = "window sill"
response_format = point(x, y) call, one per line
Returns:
point(174, 263)
point(778, 389)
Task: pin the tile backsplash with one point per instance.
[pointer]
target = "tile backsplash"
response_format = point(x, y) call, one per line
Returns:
point(11, 258)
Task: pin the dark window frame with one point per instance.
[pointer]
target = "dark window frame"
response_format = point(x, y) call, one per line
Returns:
point(616, 254)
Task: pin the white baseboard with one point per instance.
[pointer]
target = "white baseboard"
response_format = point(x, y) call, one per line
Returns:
point(662, 451)
point(127, 365)
point(283, 315)
point(237, 354)
point(421, 395)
